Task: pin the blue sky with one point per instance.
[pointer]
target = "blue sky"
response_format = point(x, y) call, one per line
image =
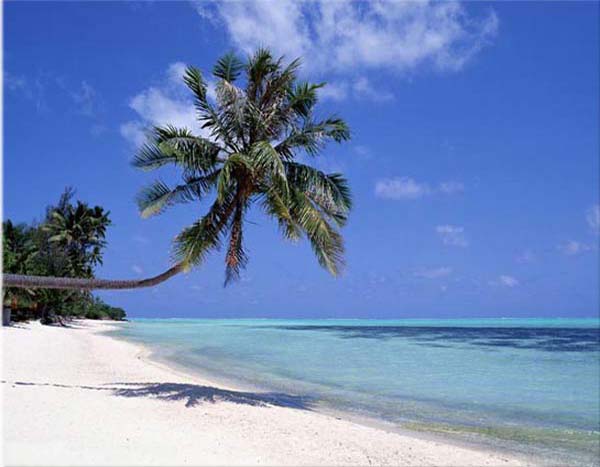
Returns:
point(474, 159)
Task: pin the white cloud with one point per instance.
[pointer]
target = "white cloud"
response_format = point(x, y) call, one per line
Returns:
point(401, 189)
point(452, 235)
point(363, 89)
point(509, 281)
point(134, 131)
point(434, 273)
point(344, 35)
point(359, 88)
point(85, 99)
point(592, 216)
point(572, 248)
point(506, 281)
point(157, 107)
point(168, 103)
point(175, 73)
point(335, 91)
point(137, 269)
point(406, 188)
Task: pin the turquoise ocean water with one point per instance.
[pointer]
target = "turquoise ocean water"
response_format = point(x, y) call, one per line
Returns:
point(527, 385)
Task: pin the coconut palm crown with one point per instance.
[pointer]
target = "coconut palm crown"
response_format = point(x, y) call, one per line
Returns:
point(255, 132)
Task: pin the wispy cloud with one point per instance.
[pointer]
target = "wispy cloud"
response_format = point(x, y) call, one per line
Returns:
point(592, 217)
point(349, 35)
point(335, 91)
point(434, 273)
point(359, 88)
point(572, 248)
point(364, 89)
point(165, 103)
point(452, 235)
point(155, 107)
point(406, 188)
point(402, 188)
point(137, 269)
point(505, 281)
point(13, 82)
point(81, 98)
point(86, 99)
point(33, 90)
point(355, 37)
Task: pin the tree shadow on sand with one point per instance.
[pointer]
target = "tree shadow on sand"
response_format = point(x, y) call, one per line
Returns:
point(192, 394)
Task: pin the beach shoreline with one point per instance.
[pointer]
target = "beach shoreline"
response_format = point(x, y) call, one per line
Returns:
point(151, 357)
point(130, 409)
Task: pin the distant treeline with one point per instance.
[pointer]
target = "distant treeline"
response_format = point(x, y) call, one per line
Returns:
point(69, 242)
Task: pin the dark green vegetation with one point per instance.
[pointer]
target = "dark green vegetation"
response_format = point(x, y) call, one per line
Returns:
point(67, 243)
point(255, 134)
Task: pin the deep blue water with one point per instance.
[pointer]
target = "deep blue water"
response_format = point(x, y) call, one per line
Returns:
point(530, 385)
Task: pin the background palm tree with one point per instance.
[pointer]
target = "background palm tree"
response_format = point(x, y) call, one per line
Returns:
point(261, 125)
point(80, 231)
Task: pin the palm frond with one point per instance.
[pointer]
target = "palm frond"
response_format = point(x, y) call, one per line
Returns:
point(231, 114)
point(326, 242)
point(155, 198)
point(329, 191)
point(194, 81)
point(278, 83)
point(228, 67)
point(267, 163)
point(150, 157)
point(258, 67)
point(303, 97)
point(276, 205)
point(178, 146)
point(313, 136)
point(193, 244)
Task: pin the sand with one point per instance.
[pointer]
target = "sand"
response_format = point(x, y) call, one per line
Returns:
point(72, 396)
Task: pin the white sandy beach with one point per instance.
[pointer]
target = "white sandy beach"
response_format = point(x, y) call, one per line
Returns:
point(74, 397)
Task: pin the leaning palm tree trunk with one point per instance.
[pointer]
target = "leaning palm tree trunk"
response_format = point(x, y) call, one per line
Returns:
point(42, 282)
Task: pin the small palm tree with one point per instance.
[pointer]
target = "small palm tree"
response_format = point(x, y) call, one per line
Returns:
point(80, 230)
point(261, 125)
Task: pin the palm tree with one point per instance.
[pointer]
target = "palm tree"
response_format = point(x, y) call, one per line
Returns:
point(80, 231)
point(260, 127)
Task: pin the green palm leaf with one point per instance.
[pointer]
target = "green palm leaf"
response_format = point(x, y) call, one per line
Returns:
point(156, 197)
point(228, 67)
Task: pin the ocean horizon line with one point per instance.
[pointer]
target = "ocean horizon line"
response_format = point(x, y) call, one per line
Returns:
point(571, 318)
